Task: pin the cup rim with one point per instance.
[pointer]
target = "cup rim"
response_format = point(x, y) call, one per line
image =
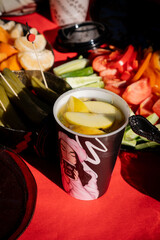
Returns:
point(69, 92)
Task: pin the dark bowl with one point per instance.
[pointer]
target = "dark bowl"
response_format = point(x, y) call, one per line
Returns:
point(18, 194)
point(141, 170)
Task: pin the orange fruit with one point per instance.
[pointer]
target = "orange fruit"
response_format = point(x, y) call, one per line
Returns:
point(23, 45)
point(4, 35)
point(12, 63)
point(3, 56)
point(7, 49)
point(28, 60)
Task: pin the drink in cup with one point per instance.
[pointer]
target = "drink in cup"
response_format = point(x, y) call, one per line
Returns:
point(64, 12)
point(91, 124)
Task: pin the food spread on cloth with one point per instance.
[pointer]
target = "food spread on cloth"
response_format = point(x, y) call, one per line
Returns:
point(133, 73)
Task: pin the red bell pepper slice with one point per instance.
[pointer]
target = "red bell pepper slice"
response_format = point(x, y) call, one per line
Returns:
point(126, 75)
point(124, 59)
point(132, 64)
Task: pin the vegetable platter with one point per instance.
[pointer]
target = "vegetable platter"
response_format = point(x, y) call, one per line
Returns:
point(131, 73)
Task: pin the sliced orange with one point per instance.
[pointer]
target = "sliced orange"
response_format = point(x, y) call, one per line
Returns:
point(28, 60)
point(3, 56)
point(23, 45)
point(12, 63)
point(4, 35)
point(7, 48)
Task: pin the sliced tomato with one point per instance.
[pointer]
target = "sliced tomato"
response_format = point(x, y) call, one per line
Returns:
point(115, 85)
point(116, 90)
point(115, 82)
point(136, 92)
point(156, 107)
point(98, 52)
point(100, 63)
point(145, 108)
point(109, 73)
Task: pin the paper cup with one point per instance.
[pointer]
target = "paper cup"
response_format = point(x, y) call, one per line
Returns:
point(65, 12)
point(87, 161)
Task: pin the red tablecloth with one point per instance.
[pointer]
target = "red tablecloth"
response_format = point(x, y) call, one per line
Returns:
point(122, 213)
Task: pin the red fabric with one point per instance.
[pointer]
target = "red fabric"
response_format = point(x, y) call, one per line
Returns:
point(122, 213)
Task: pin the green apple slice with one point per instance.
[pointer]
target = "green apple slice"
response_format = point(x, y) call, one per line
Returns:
point(90, 119)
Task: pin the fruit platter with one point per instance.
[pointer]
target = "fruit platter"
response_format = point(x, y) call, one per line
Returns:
point(17, 53)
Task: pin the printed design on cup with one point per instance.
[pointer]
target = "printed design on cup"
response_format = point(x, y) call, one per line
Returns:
point(78, 179)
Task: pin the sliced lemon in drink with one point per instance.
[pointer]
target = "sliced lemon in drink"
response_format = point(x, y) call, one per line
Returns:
point(76, 105)
point(90, 119)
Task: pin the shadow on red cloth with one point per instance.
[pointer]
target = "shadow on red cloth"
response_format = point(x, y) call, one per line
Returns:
point(141, 169)
point(45, 157)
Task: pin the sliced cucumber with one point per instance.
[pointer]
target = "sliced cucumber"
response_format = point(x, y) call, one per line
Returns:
point(99, 84)
point(148, 144)
point(79, 73)
point(158, 126)
point(75, 82)
point(130, 135)
point(131, 143)
point(153, 118)
point(138, 142)
point(71, 66)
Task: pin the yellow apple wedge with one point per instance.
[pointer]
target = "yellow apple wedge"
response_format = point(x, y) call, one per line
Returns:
point(76, 105)
point(87, 130)
point(105, 108)
point(90, 119)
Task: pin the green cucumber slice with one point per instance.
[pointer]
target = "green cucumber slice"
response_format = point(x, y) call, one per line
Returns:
point(71, 66)
point(76, 82)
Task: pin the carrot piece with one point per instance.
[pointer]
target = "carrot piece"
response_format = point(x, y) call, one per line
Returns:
point(154, 63)
point(153, 72)
point(142, 67)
